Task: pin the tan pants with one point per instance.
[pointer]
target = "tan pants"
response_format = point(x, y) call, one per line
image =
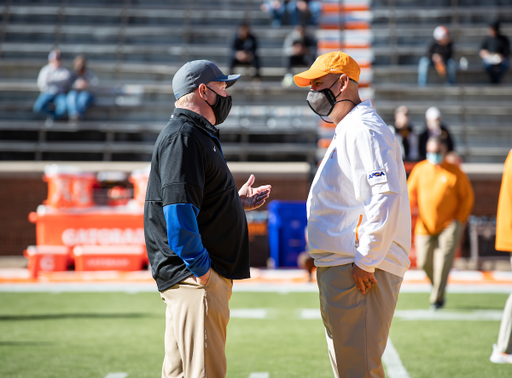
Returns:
point(437, 262)
point(195, 328)
point(356, 325)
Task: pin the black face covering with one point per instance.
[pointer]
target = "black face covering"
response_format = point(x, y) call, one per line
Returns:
point(322, 102)
point(221, 108)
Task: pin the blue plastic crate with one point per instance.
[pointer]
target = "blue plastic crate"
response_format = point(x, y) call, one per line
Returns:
point(286, 231)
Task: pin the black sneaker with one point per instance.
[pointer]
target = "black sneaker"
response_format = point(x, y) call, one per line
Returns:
point(437, 305)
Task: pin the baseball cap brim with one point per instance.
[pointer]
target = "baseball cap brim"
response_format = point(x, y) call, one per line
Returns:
point(303, 79)
point(228, 79)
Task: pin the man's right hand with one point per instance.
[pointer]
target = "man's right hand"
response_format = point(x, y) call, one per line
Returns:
point(203, 280)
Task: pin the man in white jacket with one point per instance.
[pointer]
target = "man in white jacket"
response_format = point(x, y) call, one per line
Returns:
point(54, 81)
point(359, 222)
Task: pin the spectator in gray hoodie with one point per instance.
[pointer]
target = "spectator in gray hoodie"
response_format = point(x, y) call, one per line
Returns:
point(299, 50)
point(54, 81)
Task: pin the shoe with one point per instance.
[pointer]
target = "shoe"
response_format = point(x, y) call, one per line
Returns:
point(437, 306)
point(288, 80)
point(498, 357)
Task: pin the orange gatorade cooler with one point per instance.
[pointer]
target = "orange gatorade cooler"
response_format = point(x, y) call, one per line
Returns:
point(83, 184)
point(46, 258)
point(60, 185)
point(139, 179)
point(109, 257)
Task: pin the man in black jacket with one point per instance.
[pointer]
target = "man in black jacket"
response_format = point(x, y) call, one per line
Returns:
point(494, 51)
point(244, 50)
point(195, 225)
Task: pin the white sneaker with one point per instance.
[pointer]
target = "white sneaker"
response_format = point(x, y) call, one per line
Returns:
point(499, 357)
point(287, 80)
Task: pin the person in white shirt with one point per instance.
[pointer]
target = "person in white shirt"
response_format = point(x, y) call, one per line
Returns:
point(359, 221)
point(54, 81)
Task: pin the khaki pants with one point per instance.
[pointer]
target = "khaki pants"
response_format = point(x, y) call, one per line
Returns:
point(505, 335)
point(437, 262)
point(195, 328)
point(356, 325)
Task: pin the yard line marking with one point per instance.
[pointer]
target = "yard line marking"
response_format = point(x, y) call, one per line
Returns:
point(475, 315)
point(116, 375)
point(394, 366)
point(310, 313)
point(249, 313)
point(259, 375)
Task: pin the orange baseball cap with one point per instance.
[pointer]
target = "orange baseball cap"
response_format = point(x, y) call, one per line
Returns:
point(333, 62)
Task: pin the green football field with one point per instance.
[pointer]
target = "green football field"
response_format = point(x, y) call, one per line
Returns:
point(97, 334)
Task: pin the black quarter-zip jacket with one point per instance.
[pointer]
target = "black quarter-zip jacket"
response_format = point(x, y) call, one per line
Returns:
point(188, 166)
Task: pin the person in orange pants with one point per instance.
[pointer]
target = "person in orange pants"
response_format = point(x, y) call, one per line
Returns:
point(502, 351)
point(444, 197)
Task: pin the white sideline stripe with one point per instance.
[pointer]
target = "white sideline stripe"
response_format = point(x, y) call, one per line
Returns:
point(248, 313)
point(259, 375)
point(475, 315)
point(106, 287)
point(310, 313)
point(459, 288)
point(116, 375)
point(394, 366)
point(447, 315)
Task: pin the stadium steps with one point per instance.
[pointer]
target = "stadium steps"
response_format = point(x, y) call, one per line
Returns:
point(408, 74)
point(476, 112)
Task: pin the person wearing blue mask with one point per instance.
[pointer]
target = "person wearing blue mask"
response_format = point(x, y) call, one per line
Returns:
point(443, 197)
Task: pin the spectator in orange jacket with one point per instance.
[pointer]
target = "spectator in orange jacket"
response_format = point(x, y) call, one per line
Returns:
point(444, 197)
point(502, 351)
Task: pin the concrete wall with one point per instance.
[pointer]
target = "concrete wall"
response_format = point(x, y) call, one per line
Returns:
point(22, 190)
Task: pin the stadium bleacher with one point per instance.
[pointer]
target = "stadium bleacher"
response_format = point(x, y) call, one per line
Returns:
point(135, 47)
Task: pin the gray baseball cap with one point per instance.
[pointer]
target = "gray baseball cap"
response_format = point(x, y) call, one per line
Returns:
point(192, 74)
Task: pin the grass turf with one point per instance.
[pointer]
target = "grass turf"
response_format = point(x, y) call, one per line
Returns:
point(92, 334)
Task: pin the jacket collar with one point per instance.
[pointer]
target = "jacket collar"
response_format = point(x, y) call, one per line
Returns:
point(197, 119)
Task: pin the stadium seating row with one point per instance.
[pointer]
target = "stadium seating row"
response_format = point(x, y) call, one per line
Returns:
point(135, 48)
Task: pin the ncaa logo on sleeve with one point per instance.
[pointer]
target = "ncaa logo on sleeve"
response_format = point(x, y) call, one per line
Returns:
point(378, 176)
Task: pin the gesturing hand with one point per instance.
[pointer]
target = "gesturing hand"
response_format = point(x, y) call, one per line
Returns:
point(252, 198)
point(363, 279)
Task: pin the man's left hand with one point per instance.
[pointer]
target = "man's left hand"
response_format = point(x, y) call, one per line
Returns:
point(363, 279)
point(252, 198)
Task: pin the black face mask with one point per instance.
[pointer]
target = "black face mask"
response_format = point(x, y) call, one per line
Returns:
point(322, 102)
point(221, 108)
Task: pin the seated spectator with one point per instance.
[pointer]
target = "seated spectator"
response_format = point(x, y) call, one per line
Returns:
point(494, 51)
point(304, 11)
point(434, 128)
point(243, 50)
point(440, 53)
point(404, 133)
point(296, 12)
point(80, 96)
point(54, 81)
point(276, 9)
point(299, 49)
